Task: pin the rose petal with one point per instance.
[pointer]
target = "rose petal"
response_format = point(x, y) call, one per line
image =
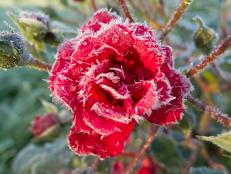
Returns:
point(62, 85)
point(172, 112)
point(101, 17)
point(83, 143)
point(114, 144)
point(100, 124)
point(115, 113)
point(95, 144)
point(149, 100)
point(149, 49)
point(167, 51)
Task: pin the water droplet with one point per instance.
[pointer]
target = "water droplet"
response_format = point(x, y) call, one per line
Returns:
point(84, 43)
point(115, 39)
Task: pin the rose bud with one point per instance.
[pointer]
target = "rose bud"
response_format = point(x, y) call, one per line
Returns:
point(33, 25)
point(12, 50)
point(147, 167)
point(117, 167)
point(110, 75)
point(45, 126)
point(204, 37)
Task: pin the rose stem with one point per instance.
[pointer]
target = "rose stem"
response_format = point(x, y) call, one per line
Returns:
point(150, 138)
point(126, 12)
point(93, 5)
point(214, 112)
point(211, 57)
point(175, 17)
point(39, 65)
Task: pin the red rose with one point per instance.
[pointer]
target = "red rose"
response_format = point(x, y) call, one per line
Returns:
point(111, 74)
point(117, 167)
point(41, 124)
point(147, 167)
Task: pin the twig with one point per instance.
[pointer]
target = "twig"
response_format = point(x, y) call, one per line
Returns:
point(211, 57)
point(215, 113)
point(93, 5)
point(133, 163)
point(39, 65)
point(126, 12)
point(175, 17)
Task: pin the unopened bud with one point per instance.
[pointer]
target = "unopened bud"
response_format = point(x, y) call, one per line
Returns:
point(45, 127)
point(12, 50)
point(204, 37)
point(33, 25)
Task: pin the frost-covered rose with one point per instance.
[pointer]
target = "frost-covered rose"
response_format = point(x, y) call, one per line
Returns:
point(113, 73)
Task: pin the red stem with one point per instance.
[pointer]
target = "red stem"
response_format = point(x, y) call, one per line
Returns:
point(126, 12)
point(133, 163)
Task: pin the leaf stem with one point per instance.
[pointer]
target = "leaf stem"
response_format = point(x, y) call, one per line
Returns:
point(211, 57)
point(175, 17)
point(214, 112)
point(148, 142)
point(39, 65)
point(126, 12)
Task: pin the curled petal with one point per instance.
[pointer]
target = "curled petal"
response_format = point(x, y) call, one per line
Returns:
point(167, 53)
point(173, 111)
point(83, 143)
point(101, 17)
point(168, 114)
point(149, 100)
point(121, 94)
point(62, 85)
point(101, 125)
point(95, 144)
point(115, 113)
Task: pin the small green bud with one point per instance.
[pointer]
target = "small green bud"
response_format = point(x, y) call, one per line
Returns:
point(33, 25)
point(204, 37)
point(12, 50)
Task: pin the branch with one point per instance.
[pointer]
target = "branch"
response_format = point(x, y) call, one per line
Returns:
point(126, 12)
point(133, 163)
point(175, 17)
point(39, 65)
point(211, 57)
point(93, 5)
point(215, 113)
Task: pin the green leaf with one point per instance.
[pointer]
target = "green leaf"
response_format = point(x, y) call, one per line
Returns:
point(223, 140)
point(46, 159)
point(165, 150)
point(205, 170)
